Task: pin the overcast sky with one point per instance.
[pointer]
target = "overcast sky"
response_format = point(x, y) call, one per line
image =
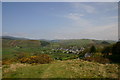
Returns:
point(61, 20)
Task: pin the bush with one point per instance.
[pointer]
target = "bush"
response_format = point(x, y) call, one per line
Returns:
point(21, 55)
point(107, 49)
point(92, 49)
point(41, 59)
point(74, 57)
point(98, 59)
point(98, 55)
point(8, 61)
point(44, 43)
point(116, 49)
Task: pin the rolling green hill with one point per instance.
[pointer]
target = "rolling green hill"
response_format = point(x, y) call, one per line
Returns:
point(84, 42)
point(20, 43)
point(9, 41)
point(11, 46)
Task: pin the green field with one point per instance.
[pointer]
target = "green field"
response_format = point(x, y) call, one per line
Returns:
point(11, 47)
point(61, 69)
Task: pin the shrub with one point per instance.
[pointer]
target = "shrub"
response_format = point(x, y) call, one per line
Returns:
point(8, 61)
point(107, 49)
point(74, 57)
point(92, 49)
point(41, 59)
point(98, 59)
point(112, 52)
point(98, 55)
point(21, 55)
point(115, 57)
point(44, 43)
point(116, 48)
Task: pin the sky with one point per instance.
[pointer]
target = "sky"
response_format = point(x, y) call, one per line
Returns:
point(60, 20)
point(60, 0)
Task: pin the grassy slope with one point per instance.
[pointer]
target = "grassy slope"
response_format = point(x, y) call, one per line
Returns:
point(63, 69)
point(9, 48)
point(37, 43)
point(82, 42)
point(21, 43)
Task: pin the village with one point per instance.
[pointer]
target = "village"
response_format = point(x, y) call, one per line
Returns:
point(71, 50)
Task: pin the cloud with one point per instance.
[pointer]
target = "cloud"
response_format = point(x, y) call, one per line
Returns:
point(94, 7)
point(74, 16)
point(83, 20)
point(89, 9)
point(84, 7)
point(106, 32)
point(15, 34)
point(77, 20)
point(85, 28)
point(113, 17)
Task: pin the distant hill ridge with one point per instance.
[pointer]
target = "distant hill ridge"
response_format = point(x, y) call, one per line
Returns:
point(13, 38)
point(9, 41)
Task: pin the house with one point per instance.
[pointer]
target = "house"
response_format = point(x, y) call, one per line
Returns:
point(88, 55)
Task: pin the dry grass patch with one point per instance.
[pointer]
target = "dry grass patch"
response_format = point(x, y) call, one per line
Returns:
point(13, 67)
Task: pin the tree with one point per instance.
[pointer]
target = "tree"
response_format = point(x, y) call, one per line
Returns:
point(107, 49)
point(105, 42)
point(116, 49)
point(44, 43)
point(92, 49)
point(115, 57)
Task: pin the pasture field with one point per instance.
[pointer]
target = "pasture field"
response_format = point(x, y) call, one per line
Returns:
point(61, 69)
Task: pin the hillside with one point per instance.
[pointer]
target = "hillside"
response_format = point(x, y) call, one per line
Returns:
point(83, 42)
point(13, 47)
point(20, 56)
point(13, 38)
point(9, 41)
point(20, 43)
point(61, 69)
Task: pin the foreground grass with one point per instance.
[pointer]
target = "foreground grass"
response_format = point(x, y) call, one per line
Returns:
point(61, 69)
